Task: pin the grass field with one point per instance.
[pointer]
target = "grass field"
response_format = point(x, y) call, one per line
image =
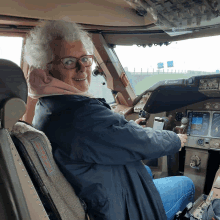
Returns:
point(147, 82)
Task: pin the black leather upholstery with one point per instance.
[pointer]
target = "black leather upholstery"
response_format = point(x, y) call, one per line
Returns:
point(12, 82)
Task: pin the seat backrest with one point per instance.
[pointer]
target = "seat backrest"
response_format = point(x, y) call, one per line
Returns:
point(24, 200)
point(58, 188)
point(13, 98)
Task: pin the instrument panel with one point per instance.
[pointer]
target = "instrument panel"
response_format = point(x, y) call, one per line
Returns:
point(204, 129)
point(204, 123)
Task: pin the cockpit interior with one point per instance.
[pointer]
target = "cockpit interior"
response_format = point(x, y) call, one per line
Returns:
point(188, 106)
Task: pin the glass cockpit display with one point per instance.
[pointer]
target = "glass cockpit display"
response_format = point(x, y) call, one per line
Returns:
point(215, 129)
point(198, 123)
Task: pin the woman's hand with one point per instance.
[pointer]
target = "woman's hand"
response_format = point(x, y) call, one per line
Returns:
point(140, 120)
point(183, 139)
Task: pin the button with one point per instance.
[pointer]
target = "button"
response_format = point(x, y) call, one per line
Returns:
point(200, 142)
point(206, 140)
point(217, 145)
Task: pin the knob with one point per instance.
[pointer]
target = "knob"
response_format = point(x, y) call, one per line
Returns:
point(137, 108)
point(202, 8)
point(200, 142)
point(184, 121)
point(195, 161)
point(113, 106)
point(217, 145)
point(215, 85)
point(142, 114)
point(216, 106)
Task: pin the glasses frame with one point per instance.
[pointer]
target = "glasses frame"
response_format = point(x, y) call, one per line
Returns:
point(77, 60)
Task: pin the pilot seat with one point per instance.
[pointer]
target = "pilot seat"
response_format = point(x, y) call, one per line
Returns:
point(31, 185)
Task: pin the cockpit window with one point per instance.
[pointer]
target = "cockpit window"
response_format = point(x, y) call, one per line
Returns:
point(99, 89)
point(181, 59)
point(10, 49)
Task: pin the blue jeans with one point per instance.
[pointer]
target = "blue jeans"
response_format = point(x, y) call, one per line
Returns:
point(176, 192)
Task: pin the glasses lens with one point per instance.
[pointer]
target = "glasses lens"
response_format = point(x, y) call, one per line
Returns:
point(86, 60)
point(69, 62)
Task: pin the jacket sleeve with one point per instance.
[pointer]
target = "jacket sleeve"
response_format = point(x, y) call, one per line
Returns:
point(98, 135)
point(95, 134)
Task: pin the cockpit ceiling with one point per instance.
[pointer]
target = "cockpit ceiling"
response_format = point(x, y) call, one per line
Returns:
point(96, 12)
point(123, 22)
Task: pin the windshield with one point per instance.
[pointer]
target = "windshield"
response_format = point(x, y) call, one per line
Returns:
point(98, 88)
point(182, 59)
point(10, 49)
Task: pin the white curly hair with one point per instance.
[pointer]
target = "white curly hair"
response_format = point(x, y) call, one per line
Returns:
point(38, 52)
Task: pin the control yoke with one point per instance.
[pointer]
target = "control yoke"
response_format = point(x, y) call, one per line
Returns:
point(144, 114)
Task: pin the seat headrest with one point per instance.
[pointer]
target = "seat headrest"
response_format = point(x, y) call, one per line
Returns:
point(12, 82)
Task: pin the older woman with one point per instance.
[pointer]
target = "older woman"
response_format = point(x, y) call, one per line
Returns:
point(98, 151)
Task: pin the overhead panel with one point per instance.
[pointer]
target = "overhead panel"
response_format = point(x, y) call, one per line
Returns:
point(178, 17)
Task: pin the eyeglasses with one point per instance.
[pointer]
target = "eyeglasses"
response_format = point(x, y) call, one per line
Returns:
point(71, 62)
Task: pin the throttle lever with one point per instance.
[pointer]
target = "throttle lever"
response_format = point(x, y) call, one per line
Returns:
point(183, 128)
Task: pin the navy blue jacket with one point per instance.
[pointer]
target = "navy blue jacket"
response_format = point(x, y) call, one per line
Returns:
point(100, 152)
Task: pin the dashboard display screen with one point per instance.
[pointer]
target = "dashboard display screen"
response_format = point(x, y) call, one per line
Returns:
point(198, 123)
point(196, 120)
point(215, 129)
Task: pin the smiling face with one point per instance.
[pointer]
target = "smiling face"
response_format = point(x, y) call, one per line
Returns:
point(76, 49)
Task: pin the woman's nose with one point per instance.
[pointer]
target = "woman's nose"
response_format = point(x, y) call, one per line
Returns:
point(80, 66)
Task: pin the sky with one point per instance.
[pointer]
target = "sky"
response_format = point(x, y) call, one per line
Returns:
point(200, 54)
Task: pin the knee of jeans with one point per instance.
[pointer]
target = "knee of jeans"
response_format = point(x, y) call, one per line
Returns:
point(188, 183)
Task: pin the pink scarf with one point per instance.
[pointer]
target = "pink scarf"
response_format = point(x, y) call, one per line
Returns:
point(41, 83)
